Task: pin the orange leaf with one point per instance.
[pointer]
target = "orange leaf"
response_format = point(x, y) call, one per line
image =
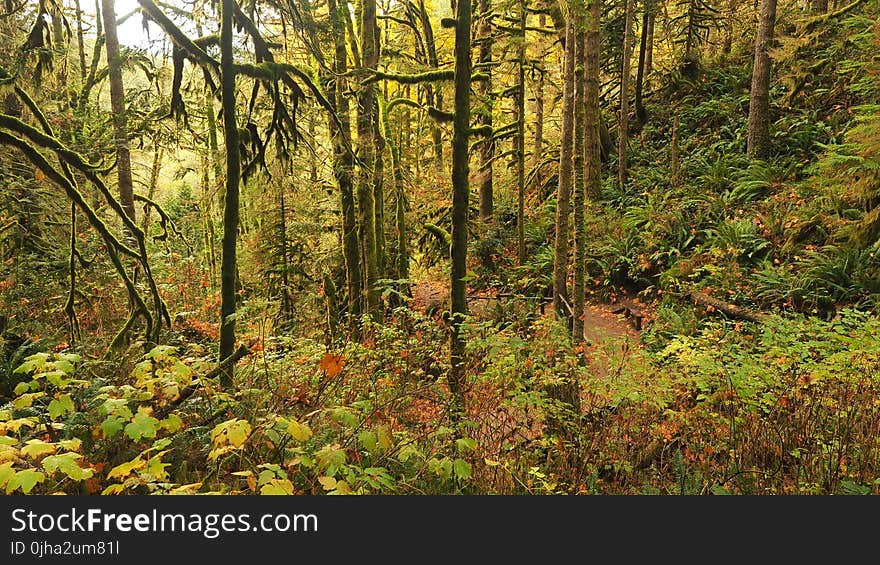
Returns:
point(331, 364)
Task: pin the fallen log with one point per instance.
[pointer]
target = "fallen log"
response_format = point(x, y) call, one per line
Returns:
point(732, 310)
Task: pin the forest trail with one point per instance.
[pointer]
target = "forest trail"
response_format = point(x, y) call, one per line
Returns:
point(610, 329)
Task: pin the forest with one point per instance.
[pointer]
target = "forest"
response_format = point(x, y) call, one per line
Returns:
point(516, 247)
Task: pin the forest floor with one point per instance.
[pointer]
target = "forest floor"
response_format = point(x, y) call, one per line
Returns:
point(606, 325)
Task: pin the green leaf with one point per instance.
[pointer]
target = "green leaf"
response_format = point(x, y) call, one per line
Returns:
point(67, 463)
point(330, 457)
point(159, 444)
point(344, 416)
point(466, 444)
point(33, 363)
point(6, 473)
point(161, 352)
point(26, 400)
point(61, 406)
point(462, 469)
point(21, 388)
point(57, 378)
point(25, 480)
point(299, 432)
point(142, 426)
point(36, 448)
point(369, 440)
point(117, 407)
point(156, 467)
point(112, 425)
point(265, 476)
point(181, 371)
point(172, 423)
point(64, 365)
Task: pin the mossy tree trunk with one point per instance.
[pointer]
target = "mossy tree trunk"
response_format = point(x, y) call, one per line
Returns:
point(521, 138)
point(343, 162)
point(561, 302)
point(758, 141)
point(367, 154)
point(623, 120)
point(117, 104)
point(460, 195)
point(229, 262)
point(484, 118)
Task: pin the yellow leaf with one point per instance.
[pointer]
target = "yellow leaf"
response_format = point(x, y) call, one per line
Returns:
point(186, 489)
point(125, 469)
point(343, 488)
point(19, 423)
point(277, 487)
point(329, 483)
point(36, 447)
point(71, 444)
point(386, 440)
point(8, 453)
point(299, 432)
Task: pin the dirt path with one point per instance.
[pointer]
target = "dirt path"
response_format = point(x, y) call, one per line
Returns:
point(603, 328)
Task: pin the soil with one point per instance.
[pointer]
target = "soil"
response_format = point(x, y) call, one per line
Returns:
point(604, 323)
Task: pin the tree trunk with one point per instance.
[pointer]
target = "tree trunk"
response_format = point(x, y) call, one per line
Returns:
point(538, 151)
point(211, 189)
point(460, 194)
point(484, 118)
point(727, 42)
point(401, 263)
point(579, 189)
point(649, 50)
point(641, 113)
point(367, 154)
point(343, 163)
point(229, 263)
point(435, 97)
point(286, 302)
point(153, 184)
point(313, 159)
point(207, 214)
point(117, 104)
point(521, 140)
point(674, 166)
point(758, 142)
point(623, 124)
point(561, 303)
point(379, 192)
point(100, 40)
point(593, 120)
point(80, 43)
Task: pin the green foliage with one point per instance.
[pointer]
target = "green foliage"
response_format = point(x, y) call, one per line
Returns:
point(737, 239)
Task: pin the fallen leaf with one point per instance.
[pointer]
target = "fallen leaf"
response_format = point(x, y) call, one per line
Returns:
point(331, 364)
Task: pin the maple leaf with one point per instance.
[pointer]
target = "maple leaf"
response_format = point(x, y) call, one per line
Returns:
point(331, 364)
